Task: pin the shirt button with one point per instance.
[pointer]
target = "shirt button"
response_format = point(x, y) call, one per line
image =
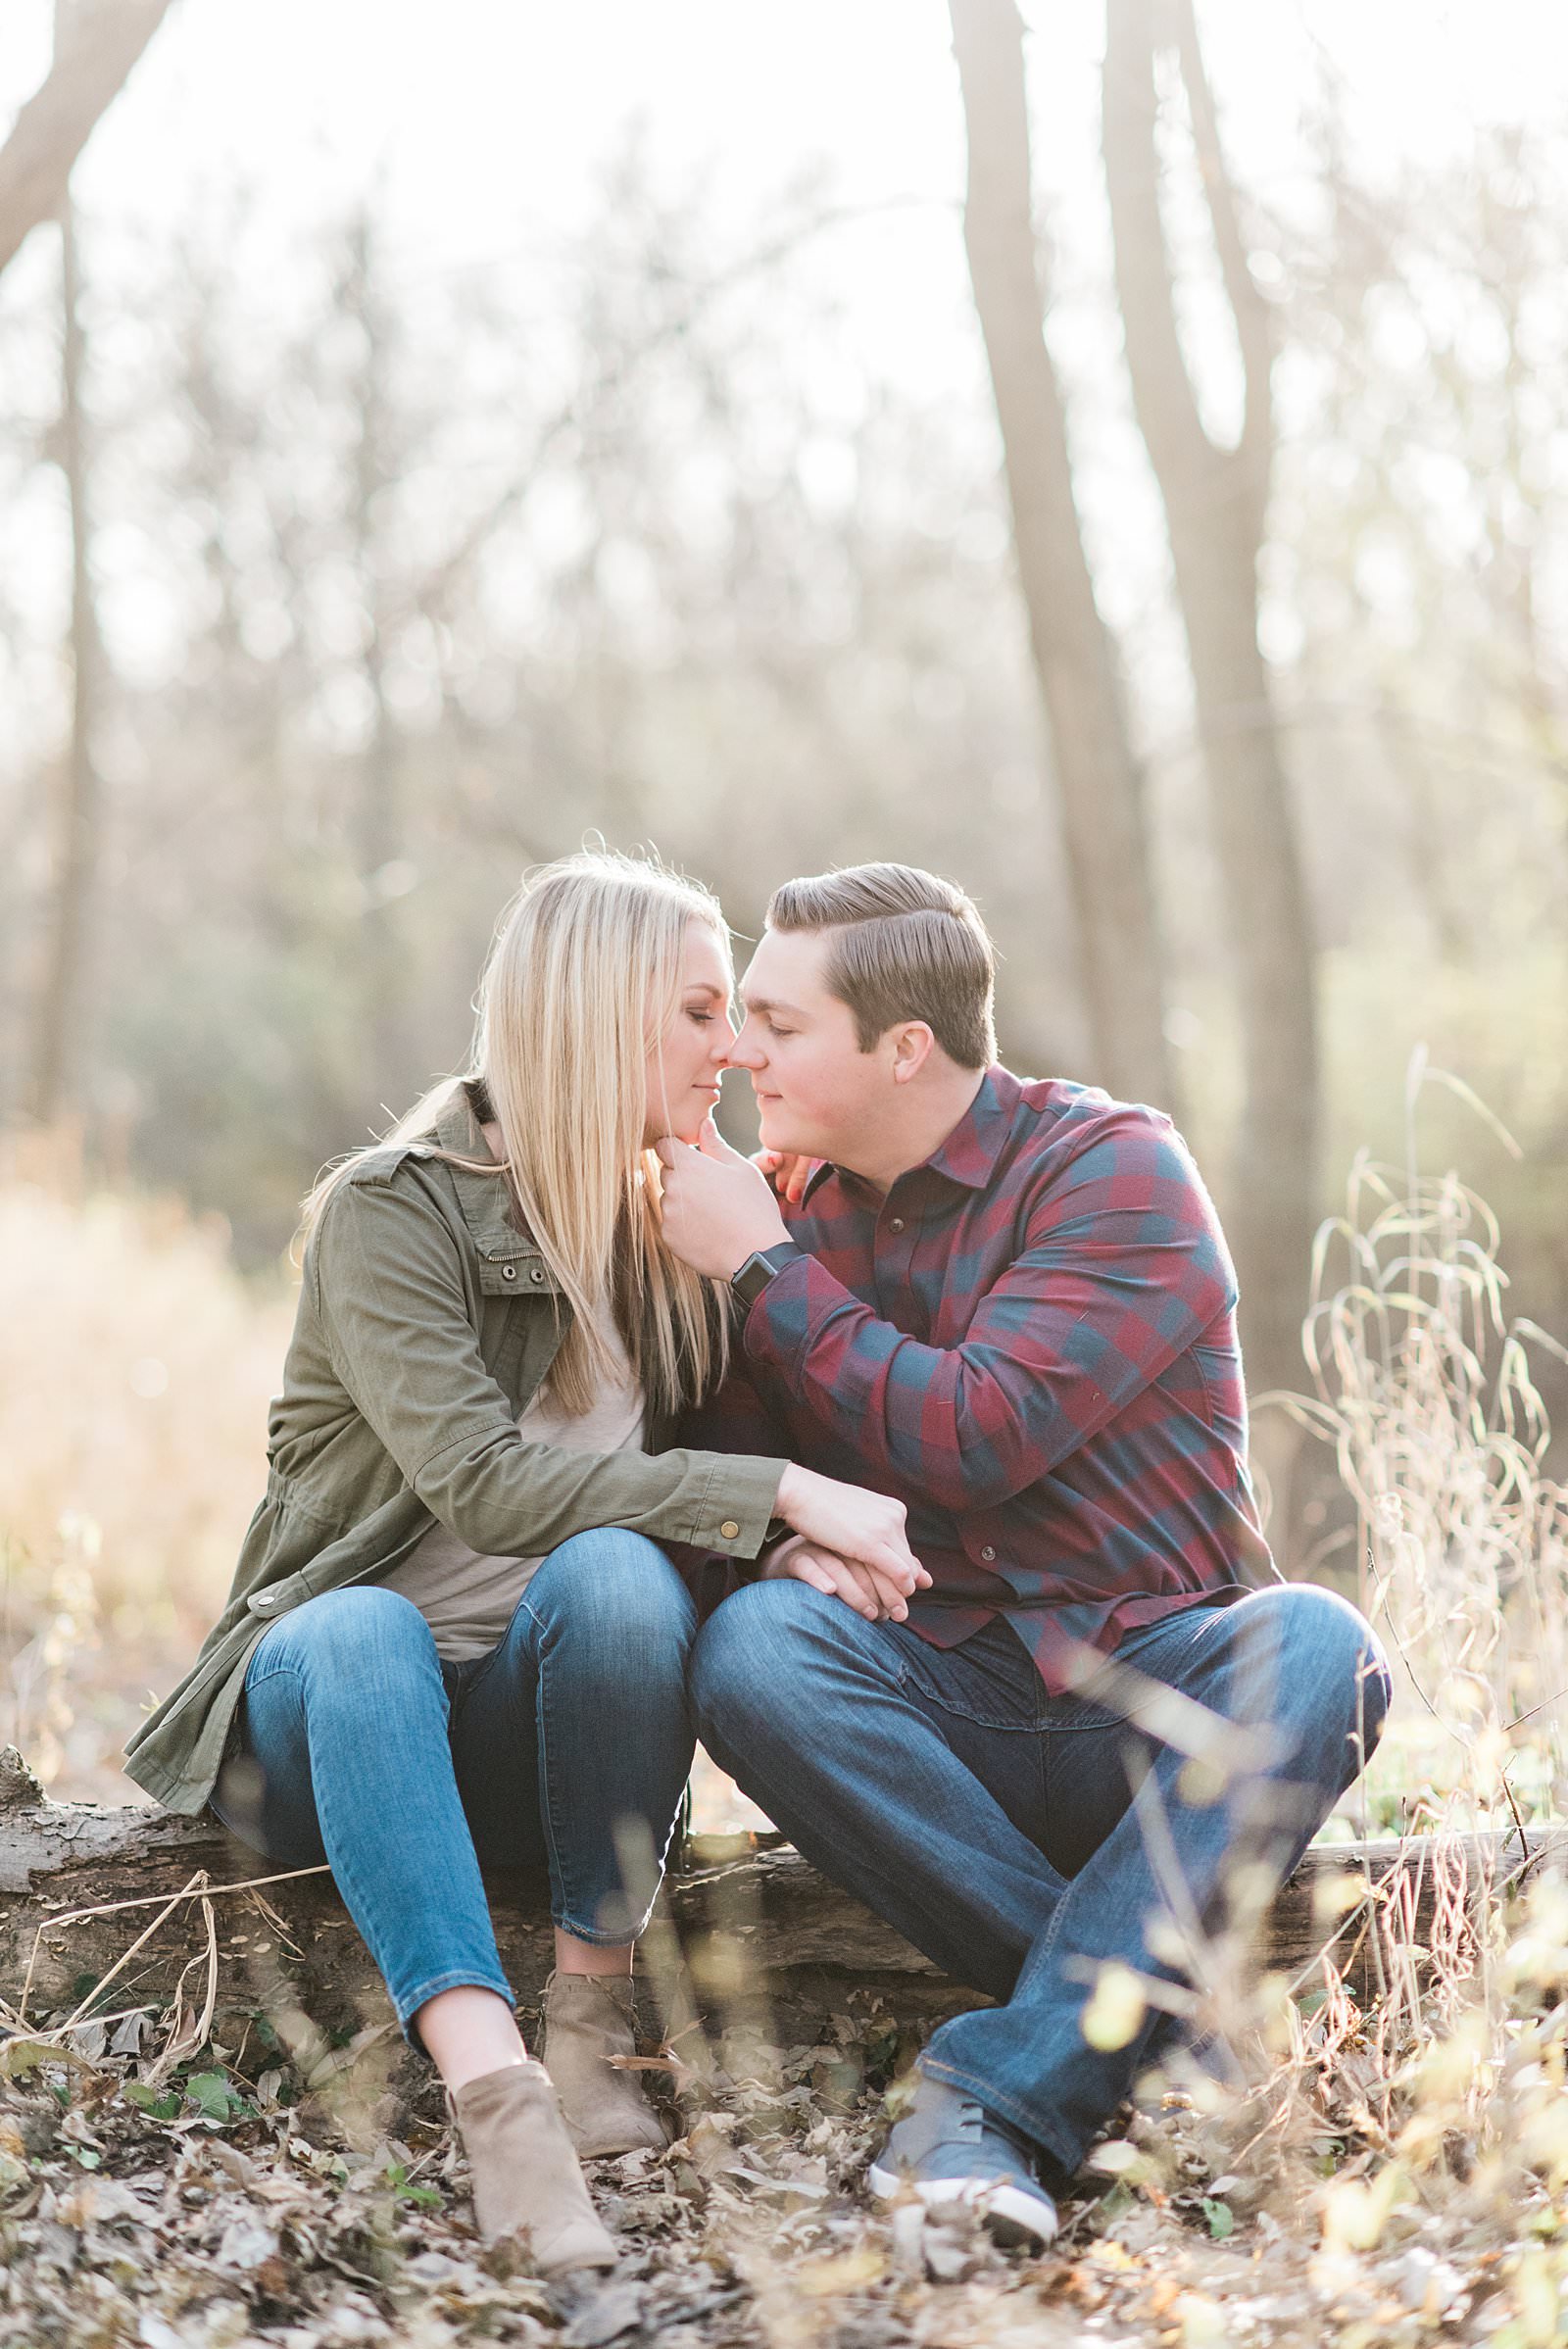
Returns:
point(508, 1272)
point(988, 1554)
point(897, 1225)
point(729, 1529)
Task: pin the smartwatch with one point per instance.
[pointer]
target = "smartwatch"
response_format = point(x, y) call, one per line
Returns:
point(758, 1269)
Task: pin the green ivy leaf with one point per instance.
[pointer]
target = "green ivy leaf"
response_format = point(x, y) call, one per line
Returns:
point(209, 2091)
point(147, 2100)
point(1221, 2219)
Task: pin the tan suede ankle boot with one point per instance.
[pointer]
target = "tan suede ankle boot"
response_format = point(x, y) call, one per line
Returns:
point(587, 2018)
point(523, 2172)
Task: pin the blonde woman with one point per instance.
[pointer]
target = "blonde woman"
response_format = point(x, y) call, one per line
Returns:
point(452, 1634)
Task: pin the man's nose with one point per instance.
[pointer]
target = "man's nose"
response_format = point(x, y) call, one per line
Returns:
point(746, 1050)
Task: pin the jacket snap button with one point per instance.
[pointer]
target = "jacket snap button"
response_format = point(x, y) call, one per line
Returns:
point(988, 1554)
point(729, 1529)
point(536, 1274)
point(508, 1272)
point(897, 1225)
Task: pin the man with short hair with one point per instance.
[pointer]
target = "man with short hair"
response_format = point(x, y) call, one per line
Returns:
point(1008, 1304)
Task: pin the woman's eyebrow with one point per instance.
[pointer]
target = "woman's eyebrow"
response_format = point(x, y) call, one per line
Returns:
point(719, 995)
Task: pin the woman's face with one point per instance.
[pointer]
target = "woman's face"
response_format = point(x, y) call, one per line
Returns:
point(683, 1069)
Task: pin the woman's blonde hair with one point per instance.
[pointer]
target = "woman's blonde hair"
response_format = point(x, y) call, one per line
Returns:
point(582, 985)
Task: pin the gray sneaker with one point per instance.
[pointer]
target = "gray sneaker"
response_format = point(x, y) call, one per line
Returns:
point(954, 2154)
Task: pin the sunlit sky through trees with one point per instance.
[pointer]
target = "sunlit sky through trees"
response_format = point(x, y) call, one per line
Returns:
point(488, 128)
point(483, 135)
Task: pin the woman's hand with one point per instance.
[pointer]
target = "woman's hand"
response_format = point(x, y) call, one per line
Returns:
point(786, 1172)
point(859, 1528)
point(868, 1592)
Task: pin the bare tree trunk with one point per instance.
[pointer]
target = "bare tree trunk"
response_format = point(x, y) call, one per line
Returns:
point(1214, 499)
point(95, 48)
point(379, 826)
point(76, 791)
point(1075, 661)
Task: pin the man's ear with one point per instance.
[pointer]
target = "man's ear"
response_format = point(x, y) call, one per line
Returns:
point(912, 1046)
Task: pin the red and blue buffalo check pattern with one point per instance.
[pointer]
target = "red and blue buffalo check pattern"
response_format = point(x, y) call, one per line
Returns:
point(1031, 1341)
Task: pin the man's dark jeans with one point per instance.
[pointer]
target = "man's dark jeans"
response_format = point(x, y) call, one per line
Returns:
point(995, 1824)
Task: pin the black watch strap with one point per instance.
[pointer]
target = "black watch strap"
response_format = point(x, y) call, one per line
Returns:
point(758, 1269)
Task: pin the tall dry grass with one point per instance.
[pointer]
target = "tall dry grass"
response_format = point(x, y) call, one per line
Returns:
point(1411, 2150)
point(135, 1367)
point(1424, 1384)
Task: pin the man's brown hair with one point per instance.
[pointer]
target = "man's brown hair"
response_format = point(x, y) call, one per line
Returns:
point(904, 944)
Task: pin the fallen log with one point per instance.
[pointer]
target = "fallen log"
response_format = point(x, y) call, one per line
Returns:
point(770, 1948)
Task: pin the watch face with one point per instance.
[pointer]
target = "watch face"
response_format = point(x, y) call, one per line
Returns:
point(752, 1279)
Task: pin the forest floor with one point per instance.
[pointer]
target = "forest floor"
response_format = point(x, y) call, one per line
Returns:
point(225, 2204)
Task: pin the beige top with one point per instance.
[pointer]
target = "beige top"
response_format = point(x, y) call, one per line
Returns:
point(468, 1600)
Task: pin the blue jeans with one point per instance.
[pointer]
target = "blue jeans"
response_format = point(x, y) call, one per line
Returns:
point(360, 1746)
point(995, 1825)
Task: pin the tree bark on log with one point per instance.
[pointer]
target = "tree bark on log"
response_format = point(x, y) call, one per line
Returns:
point(771, 1947)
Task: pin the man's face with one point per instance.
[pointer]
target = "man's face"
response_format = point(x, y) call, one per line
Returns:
point(816, 1091)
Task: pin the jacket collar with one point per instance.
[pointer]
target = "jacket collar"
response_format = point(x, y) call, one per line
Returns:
point(484, 1199)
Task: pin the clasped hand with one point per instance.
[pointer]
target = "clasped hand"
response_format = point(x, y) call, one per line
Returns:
point(875, 1595)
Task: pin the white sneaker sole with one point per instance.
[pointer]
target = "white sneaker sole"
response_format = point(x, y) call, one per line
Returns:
point(995, 2203)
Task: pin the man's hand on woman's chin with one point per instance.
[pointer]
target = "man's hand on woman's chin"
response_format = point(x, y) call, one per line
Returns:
point(717, 1209)
point(787, 1171)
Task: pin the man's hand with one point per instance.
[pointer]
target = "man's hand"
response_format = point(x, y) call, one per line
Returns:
point(787, 1171)
point(718, 1209)
point(862, 1587)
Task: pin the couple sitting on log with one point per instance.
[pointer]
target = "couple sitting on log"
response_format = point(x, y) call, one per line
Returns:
point(904, 1465)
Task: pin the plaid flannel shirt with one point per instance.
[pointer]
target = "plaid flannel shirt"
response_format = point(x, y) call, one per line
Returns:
point(1031, 1341)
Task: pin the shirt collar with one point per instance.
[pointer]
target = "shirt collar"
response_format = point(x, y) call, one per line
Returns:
point(970, 1152)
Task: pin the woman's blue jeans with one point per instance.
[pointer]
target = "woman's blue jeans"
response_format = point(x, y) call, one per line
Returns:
point(564, 1751)
point(996, 1826)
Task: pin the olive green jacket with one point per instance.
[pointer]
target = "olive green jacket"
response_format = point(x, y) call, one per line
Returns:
point(425, 1323)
